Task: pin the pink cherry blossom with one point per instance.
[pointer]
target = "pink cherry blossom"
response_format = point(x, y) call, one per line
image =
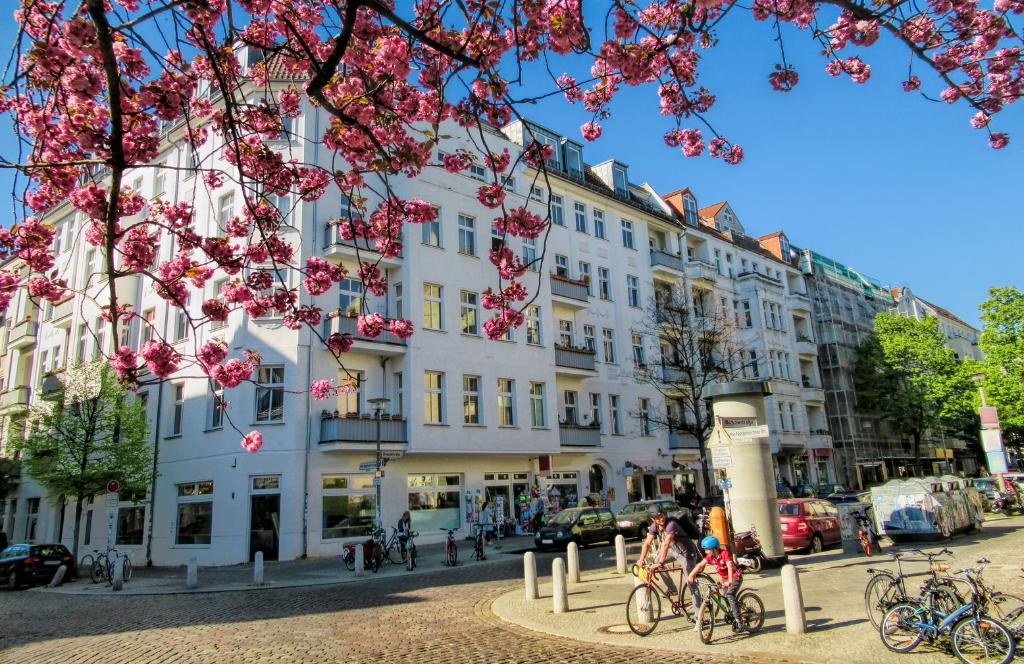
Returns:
point(370, 326)
point(998, 140)
point(401, 328)
point(252, 442)
point(591, 131)
point(321, 389)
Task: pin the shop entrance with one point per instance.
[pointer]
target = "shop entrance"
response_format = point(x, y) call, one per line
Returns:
point(265, 517)
point(509, 486)
point(563, 490)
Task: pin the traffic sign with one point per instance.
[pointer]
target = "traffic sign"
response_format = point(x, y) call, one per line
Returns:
point(379, 473)
point(392, 455)
point(376, 481)
point(367, 466)
point(759, 431)
point(725, 483)
point(721, 457)
point(113, 486)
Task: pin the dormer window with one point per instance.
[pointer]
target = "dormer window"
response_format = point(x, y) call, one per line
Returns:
point(573, 161)
point(689, 210)
point(784, 245)
point(619, 180)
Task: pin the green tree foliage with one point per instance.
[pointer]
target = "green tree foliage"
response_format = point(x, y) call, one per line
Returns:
point(1002, 339)
point(84, 435)
point(10, 471)
point(907, 374)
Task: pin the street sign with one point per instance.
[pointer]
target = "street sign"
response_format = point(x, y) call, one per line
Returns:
point(367, 466)
point(112, 499)
point(376, 481)
point(721, 457)
point(392, 455)
point(759, 431)
point(738, 422)
point(725, 483)
point(379, 473)
point(113, 486)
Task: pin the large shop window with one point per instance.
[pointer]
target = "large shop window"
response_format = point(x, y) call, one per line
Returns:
point(195, 513)
point(130, 525)
point(435, 502)
point(349, 504)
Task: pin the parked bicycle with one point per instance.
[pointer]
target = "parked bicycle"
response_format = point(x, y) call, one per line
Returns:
point(478, 545)
point(885, 589)
point(103, 566)
point(715, 603)
point(373, 555)
point(409, 553)
point(643, 608)
point(451, 552)
point(866, 534)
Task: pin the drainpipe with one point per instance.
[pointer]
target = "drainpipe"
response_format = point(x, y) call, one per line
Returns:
point(152, 487)
point(309, 371)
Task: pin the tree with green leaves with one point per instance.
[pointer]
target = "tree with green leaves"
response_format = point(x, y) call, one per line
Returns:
point(10, 471)
point(86, 433)
point(905, 373)
point(1002, 340)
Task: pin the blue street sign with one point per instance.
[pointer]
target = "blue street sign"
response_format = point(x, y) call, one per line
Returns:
point(725, 483)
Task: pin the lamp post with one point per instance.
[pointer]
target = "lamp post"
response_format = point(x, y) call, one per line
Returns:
point(991, 436)
point(378, 405)
point(979, 378)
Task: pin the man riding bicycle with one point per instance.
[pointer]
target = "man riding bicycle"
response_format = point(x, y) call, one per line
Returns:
point(675, 543)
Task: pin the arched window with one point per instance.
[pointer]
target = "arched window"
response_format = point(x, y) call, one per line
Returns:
point(596, 479)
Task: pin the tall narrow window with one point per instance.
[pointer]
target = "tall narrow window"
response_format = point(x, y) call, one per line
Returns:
point(270, 394)
point(748, 320)
point(782, 416)
point(561, 266)
point(217, 286)
point(589, 338)
point(633, 290)
point(530, 254)
point(399, 308)
point(595, 411)
point(645, 417)
point(718, 261)
point(613, 412)
point(471, 399)
point(571, 414)
point(181, 322)
point(433, 397)
point(581, 217)
point(557, 211)
point(565, 333)
point(533, 335)
point(506, 402)
point(604, 282)
point(728, 261)
point(179, 409)
point(398, 408)
point(638, 350)
point(100, 326)
point(432, 231)
point(690, 210)
point(537, 418)
point(792, 416)
point(83, 343)
point(225, 211)
point(609, 345)
point(627, 235)
point(467, 235)
point(215, 417)
point(432, 307)
point(469, 313)
point(159, 180)
point(754, 371)
point(585, 276)
point(599, 224)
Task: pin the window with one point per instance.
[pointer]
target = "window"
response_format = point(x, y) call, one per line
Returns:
point(477, 172)
point(581, 217)
point(33, 519)
point(782, 416)
point(595, 411)
point(435, 502)
point(561, 266)
point(83, 342)
point(433, 397)
point(633, 291)
point(270, 394)
point(638, 350)
point(350, 296)
point(718, 261)
point(627, 234)
point(599, 225)
point(215, 399)
point(589, 338)
point(565, 333)
point(604, 282)
point(748, 320)
point(130, 525)
point(225, 211)
point(792, 415)
point(743, 265)
point(497, 238)
point(101, 338)
point(506, 402)
point(192, 163)
point(471, 399)
point(44, 366)
point(570, 407)
point(530, 254)
point(398, 407)
point(195, 514)
point(728, 261)
point(557, 212)
point(690, 210)
point(609, 345)
point(159, 180)
point(613, 411)
point(789, 374)
point(467, 235)
point(399, 309)
point(533, 335)
point(620, 182)
point(217, 286)
point(537, 194)
point(432, 231)
point(537, 418)
point(508, 183)
point(149, 318)
point(754, 371)
point(350, 402)
point(349, 506)
point(645, 417)
point(585, 277)
point(90, 267)
point(181, 321)
point(469, 313)
point(433, 310)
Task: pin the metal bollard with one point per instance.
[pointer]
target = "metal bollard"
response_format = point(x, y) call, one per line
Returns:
point(192, 576)
point(558, 589)
point(360, 560)
point(573, 552)
point(530, 573)
point(58, 577)
point(620, 554)
point(643, 605)
point(118, 580)
point(793, 601)
point(257, 569)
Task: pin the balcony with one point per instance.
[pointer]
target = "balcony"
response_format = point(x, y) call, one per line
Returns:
point(799, 302)
point(570, 293)
point(385, 344)
point(14, 401)
point(682, 441)
point(813, 393)
point(344, 433)
point(574, 435)
point(22, 335)
point(664, 264)
point(337, 249)
point(62, 312)
point(790, 441)
point(751, 278)
point(701, 271)
point(806, 347)
point(571, 361)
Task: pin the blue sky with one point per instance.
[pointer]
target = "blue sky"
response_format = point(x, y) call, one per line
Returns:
point(898, 187)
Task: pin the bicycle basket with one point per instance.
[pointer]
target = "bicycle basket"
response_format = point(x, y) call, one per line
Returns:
point(940, 567)
point(642, 573)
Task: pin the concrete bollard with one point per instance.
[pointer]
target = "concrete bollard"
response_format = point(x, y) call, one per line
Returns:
point(793, 600)
point(644, 614)
point(257, 569)
point(558, 589)
point(192, 575)
point(573, 551)
point(118, 580)
point(620, 554)
point(58, 577)
point(360, 560)
point(530, 572)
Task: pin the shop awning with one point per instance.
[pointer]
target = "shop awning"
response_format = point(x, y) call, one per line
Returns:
point(822, 451)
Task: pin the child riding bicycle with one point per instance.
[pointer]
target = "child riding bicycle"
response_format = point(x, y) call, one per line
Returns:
point(728, 570)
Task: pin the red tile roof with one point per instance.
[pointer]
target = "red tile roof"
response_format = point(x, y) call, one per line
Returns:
point(710, 211)
point(946, 313)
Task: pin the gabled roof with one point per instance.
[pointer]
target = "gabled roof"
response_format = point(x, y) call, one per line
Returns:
point(946, 313)
point(710, 211)
point(771, 235)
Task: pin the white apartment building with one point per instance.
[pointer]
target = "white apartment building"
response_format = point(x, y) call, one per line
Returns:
point(960, 336)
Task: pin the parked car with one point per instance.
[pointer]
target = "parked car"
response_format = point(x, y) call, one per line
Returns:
point(803, 490)
point(633, 520)
point(29, 564)
point(783, 492)
point(826, 490)
point(809, 525)
point(583, 525)
point(849, 497)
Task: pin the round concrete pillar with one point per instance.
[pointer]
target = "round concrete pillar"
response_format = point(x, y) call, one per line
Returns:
point(752, 498)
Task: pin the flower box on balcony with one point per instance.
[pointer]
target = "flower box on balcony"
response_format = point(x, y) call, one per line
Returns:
point(578, 282)
point(575, 349)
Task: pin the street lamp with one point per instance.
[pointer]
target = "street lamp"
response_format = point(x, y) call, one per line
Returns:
point(979, 378)
point(378, 406)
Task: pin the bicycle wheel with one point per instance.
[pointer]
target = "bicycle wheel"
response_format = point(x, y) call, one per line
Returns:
point(127, 569)
point(752, 611)
point(982, 641)
point(643, 610)
point(350, 561)
point(1009, 610)
point(453, 555)
point(706, 622)
point(702, 581)
point(393, 553)
point(110, 571)
point(945, 599)
point(97, 571)
point(898, 631)
point(879, 597)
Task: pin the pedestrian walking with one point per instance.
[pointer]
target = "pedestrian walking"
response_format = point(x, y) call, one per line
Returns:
point(487, 522)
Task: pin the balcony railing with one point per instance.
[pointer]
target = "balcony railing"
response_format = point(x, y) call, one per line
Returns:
point(698, 269)
point(573, 435)
point(682, 441)
point(670, 374)
point(342, 429)
point(570, 288)
point(342, 324)
point(63, 309)
point(23, 334)
point(17, 397)
point(668, 260)
point(574, 358)
point(332, 237)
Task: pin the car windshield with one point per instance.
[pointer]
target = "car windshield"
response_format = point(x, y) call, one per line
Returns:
point(789, 509)
point(628, 509)
point(565, 518)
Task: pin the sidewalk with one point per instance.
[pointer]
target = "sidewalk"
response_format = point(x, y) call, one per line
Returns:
point(833, 589)
point(288, 574)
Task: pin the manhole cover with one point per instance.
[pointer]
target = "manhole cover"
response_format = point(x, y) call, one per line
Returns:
point(615, 629)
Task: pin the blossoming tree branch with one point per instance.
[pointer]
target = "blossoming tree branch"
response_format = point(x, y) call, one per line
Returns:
point(93, 83)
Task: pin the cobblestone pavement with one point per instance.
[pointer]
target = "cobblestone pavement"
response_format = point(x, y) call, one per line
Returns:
point(437, 617)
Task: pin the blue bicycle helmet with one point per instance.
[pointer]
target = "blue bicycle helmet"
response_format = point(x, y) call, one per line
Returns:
point(709, 542)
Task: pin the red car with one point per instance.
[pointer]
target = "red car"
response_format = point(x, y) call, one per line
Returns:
point(809, 524)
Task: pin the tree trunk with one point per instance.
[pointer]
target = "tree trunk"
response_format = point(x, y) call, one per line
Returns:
point(917, 453)
point(60, 528)
point(78, 525)
point(705, 474)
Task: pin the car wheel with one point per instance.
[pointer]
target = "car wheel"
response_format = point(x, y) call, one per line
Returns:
point(13, 580)
point(816, 544)
point(641, 532)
